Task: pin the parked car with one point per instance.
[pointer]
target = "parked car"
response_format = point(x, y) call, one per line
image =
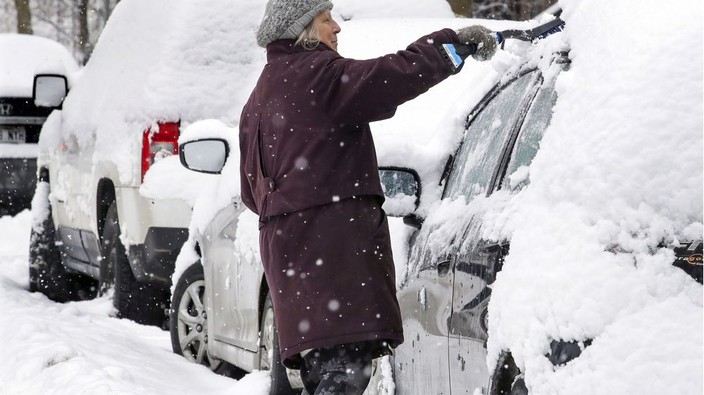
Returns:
point(149, 76)
point(220, 310)
point(20, 120)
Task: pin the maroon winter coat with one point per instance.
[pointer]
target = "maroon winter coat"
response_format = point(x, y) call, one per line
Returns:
point(309, 170)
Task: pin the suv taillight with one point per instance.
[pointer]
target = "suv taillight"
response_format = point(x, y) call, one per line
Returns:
point(158, 144)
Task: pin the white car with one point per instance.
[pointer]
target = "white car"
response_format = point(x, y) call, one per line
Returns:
point(158, 66)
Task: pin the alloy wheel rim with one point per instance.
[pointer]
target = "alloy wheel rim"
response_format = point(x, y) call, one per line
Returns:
point(193, 326)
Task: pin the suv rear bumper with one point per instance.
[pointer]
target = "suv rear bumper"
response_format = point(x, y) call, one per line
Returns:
point(152, 262)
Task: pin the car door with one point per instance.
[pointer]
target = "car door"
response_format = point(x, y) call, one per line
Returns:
point(479, 260)
point(233, 275)
point(424, 361)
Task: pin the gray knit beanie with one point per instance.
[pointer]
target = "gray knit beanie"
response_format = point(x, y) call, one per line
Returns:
point(286, 19)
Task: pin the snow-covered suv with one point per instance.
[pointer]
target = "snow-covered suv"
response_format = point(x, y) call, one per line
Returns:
point(158, 66)
point(20, 120)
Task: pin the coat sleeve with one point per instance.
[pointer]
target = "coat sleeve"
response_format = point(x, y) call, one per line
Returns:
point(362, 91)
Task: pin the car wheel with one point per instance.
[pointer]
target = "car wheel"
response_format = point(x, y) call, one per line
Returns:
point(46, 271)
point(507, 378)
point(269, 353)
point(133, 300)
point(188, 323)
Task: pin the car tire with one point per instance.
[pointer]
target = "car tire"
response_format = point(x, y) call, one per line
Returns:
point(46, 270)
point(136, 301)
point(188, 315)
point(270, 354)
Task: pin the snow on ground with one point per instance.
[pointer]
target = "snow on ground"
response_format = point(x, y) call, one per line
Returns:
point(80, 348)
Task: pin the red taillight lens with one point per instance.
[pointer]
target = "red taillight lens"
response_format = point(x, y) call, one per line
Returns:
point(158, 144)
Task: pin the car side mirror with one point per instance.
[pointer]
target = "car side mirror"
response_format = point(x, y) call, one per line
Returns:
point(49, 90)
point(204, 155)
point(401, 189)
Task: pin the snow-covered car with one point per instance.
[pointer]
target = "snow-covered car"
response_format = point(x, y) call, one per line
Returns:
point(464, 241)
point(158, 66)
point(545, 249)
point(20, 119)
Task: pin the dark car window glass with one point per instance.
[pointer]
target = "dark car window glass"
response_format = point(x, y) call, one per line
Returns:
point(485, 138)
point(536, 121)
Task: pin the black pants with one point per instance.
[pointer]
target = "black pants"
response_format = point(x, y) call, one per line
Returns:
point(344, 369)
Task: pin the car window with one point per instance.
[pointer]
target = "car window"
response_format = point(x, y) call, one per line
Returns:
point(534, 125)
point(486, 137)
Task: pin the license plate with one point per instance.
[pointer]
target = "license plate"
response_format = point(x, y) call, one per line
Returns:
point(14, 135)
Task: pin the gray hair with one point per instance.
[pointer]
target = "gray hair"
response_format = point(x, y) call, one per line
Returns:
point(309, 37)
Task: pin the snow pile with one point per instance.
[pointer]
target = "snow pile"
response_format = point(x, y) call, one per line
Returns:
point(618, 180)
point(21, 56)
